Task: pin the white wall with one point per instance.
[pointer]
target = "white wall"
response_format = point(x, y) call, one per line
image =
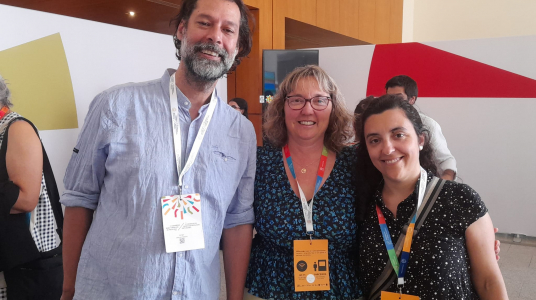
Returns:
point(440, 20)
point(349, 66)
point(492, 139)
point(99, 56)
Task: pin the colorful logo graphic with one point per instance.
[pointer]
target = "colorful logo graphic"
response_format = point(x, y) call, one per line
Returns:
point(181, 205)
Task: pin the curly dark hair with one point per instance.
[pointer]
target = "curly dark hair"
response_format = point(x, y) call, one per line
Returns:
point(358, 113)
point(244, 32)
point(368, 177)
point(242, 104)
point(339, 130)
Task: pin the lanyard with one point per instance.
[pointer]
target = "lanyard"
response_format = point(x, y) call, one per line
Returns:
point(3, 111)
point(308, 208)
point(174, 108)
point(404, 256)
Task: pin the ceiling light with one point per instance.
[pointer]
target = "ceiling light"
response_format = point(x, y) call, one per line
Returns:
point(132, 13)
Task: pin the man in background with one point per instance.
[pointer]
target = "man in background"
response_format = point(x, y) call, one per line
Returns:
point(143, 144)
point(406, 87)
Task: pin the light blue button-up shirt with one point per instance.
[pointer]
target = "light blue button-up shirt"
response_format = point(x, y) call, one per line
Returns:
point(124, 163)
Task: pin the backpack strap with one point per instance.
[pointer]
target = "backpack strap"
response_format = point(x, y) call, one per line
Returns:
point(387, 277)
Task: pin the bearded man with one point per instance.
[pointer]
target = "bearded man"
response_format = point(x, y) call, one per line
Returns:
point(160, 169)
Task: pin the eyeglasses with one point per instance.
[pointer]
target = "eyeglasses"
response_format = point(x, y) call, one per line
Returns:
point(317, 103)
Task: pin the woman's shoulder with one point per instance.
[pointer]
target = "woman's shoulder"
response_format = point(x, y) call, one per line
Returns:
point(457, 190)
point(348, 154)
point(462, 197)
point(267, 153)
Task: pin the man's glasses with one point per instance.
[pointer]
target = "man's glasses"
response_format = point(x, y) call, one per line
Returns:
point(317, 103)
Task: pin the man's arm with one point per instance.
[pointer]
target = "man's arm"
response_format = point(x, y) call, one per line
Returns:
point(236, 250)
point(76, 225)
point(485, 272)
point(445, 161)
point(83, 180)
point(448, 175)
point(238, 231)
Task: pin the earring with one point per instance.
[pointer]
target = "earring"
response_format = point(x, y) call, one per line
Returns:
point(420, 147)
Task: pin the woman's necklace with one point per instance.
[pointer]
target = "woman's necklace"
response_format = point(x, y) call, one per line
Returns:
point(304, 168)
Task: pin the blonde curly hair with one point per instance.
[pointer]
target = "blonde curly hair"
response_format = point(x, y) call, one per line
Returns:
point(340, 127)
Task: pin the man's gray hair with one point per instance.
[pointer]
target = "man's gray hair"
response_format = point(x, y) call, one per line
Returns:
point(5, 94)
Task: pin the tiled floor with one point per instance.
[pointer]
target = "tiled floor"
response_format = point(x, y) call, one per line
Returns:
point(518, 267)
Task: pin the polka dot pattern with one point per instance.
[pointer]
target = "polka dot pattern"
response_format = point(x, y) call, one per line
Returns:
point(439, 266)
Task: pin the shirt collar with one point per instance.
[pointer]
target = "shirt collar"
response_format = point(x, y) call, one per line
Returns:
point(183, 101)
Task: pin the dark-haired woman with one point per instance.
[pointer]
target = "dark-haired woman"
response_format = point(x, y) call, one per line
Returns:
point(240, 105)
point(450, 255)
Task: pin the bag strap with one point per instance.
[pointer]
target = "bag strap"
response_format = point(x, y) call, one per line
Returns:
point(387, 277)
point(50, 181)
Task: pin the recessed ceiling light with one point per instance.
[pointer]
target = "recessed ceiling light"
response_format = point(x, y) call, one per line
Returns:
point(132, 13)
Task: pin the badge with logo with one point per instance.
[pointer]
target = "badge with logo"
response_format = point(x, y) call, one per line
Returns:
point(183, 228)
point(311, 270)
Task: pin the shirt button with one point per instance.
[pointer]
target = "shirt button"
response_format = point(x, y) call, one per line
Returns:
point(185, 186)
point(180, 254)
point(225, 159)
point(185, 103)
point(175, 293)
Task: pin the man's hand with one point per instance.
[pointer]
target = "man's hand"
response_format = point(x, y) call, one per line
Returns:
point(67, 295)
point(448, 175)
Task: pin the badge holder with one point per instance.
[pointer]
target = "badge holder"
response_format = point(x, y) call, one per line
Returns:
point(181, 214)
point(400, 269)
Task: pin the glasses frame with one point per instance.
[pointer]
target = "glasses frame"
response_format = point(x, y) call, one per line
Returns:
point(307, 100)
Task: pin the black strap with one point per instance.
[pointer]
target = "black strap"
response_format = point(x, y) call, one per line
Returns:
point(17, 245)
point(387, 277)
point(50, 181)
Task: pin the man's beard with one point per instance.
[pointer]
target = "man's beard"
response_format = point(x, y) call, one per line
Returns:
point(203, 69)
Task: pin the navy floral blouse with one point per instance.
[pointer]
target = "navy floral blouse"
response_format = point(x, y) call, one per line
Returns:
point(279, 221)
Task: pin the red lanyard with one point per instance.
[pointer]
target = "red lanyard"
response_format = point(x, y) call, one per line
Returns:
point(3, 111)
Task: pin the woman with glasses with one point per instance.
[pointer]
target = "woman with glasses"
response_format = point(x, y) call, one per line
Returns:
point(304, 191)
point(240, 105)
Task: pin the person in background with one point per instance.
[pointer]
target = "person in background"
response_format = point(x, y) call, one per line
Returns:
point(452, 253)
point(241, 105)
point(407, 87)
point(30, 213)
point(145, 143)
point(307, 117)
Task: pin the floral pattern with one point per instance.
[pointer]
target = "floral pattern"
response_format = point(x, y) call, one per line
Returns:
point(279, 221)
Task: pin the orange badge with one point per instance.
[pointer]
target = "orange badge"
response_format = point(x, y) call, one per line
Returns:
point(311, 269)
point(396, 296)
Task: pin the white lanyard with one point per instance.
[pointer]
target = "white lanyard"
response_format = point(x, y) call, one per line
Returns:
point(174, 109)
point(422, 188)
point(307, 210)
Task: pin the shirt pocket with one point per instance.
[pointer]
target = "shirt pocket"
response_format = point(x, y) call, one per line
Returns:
point(225, 171)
